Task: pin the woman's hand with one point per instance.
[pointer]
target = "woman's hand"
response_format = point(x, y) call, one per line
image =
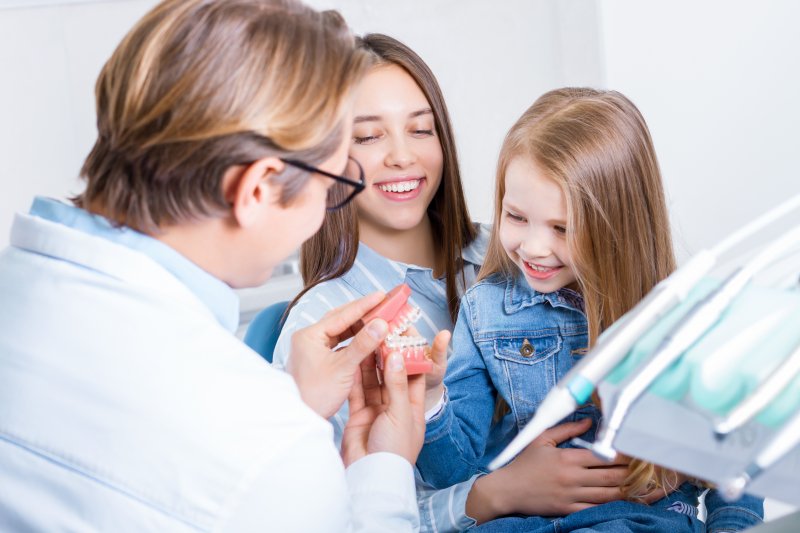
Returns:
point(548, 481)
point(387, 417)
point(324, 377)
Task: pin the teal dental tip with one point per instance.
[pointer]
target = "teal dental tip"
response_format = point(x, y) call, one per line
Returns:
point(581, 389)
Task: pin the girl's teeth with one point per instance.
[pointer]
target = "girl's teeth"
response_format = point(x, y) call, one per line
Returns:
point(538, 268)
point(403, 186)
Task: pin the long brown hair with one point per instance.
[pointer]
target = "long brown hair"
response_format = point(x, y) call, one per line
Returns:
point(196, 87)
point(331, 252)
point(596, 146)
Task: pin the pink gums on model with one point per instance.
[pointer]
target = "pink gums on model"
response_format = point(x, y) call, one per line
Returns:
point(399, 314)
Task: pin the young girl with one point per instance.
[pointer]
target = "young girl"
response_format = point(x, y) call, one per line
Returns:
point(411, 225)
point(581, 235)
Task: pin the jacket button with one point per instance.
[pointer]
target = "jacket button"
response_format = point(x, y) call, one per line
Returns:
point(526, 350)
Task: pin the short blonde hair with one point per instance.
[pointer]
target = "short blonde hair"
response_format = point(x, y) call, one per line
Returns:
point(198, 86)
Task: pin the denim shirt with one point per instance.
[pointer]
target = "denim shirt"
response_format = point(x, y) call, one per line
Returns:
point(513, 342)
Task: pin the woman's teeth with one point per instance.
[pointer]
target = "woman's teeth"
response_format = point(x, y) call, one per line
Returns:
point(401, 186)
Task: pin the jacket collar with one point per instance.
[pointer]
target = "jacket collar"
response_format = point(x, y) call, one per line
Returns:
point(519, 295)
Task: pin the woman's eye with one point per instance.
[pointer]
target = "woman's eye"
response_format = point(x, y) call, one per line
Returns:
point(369, 139)
point(561, 230)
point(422, 133)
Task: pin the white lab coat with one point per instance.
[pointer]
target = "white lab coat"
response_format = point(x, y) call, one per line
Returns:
point(126, 406)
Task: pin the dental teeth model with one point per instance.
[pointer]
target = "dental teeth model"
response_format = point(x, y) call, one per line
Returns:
point(399, 314)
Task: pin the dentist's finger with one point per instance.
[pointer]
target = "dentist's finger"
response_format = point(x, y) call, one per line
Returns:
point(339, 321)
point(365, 341)
point(396, 386)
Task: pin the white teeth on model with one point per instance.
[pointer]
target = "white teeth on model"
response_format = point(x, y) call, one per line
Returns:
point(402, 186)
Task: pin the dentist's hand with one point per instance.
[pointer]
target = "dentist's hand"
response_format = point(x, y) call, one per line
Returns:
point(388, 417)
point(326, 377)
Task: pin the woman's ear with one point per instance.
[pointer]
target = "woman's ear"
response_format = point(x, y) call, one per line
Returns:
point(249, 190)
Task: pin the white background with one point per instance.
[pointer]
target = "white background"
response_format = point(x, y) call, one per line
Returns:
point(718, 82)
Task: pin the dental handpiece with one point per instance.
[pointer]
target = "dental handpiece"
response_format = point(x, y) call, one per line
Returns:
point(781, 443)
point(770, 389)
point(700, 318)
point(578, 384)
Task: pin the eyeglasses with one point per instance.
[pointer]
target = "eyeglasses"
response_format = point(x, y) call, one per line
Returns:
point(347, 186)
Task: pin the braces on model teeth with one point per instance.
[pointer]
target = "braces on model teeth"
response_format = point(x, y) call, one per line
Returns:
point(399, 314)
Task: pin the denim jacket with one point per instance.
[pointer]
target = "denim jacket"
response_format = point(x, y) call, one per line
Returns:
point(513, 342)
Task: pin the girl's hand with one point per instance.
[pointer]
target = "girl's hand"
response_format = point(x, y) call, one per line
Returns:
point(324, 377)
point(548, 481)
point(434, 390)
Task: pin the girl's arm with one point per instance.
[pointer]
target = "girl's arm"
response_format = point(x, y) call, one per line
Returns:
point(455, 438)
point(725, 516)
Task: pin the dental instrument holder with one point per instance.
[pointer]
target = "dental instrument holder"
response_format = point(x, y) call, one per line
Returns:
point(674, 426)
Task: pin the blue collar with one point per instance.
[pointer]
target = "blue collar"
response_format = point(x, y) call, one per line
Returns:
point(519, 295)
point(214, 293)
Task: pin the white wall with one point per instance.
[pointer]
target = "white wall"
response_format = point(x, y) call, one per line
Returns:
point(718, 82)
point(50, 58)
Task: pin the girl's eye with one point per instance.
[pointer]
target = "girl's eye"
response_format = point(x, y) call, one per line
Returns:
point(369, 139)
point(514, 217)
point(561, 230)
point(422, 133)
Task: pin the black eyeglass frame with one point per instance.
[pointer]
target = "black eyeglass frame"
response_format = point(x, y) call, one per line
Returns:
point(358, 186)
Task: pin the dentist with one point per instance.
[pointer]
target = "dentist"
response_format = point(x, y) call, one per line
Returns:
point(126, 402)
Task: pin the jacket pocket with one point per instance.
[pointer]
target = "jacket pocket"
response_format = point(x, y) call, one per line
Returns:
point(527, 368)
point(527, 350)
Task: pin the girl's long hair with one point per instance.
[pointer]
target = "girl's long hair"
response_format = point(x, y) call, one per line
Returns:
point(331, 252)
point(596, 146)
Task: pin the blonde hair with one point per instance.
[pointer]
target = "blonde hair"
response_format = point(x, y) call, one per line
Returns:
point(198, 86)
point(596, 146)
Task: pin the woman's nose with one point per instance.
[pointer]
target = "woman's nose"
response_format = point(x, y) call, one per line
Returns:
point(400, 154)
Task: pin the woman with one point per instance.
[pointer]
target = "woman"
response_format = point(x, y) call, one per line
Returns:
point(411, 225)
